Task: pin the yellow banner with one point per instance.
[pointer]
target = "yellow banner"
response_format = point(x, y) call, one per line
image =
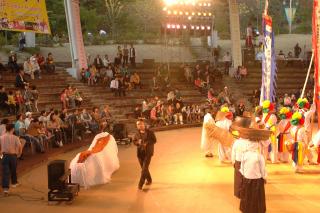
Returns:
point(24, 16)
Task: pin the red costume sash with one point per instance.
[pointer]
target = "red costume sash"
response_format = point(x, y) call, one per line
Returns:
point(281, 137)
point(98, 147)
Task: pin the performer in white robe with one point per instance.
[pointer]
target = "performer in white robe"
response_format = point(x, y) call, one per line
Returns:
point(270, 121)
point(224, 121)
point(254, 177)
point(207, 142)
point(303, 107)
point(314, 146)
point(299, 142)
point(238, 148)
point(284, 133)
point(264, 144)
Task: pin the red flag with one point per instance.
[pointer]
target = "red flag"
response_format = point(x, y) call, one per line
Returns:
point(316, 46)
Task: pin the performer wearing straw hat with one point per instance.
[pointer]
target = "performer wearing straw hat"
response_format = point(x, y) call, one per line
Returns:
point(270, 121)
point(252, 166)
point(207, 141)
point(224, 120)
point(284, 126)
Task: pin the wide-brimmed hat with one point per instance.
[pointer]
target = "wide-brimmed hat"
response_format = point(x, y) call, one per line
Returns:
point(247, 128)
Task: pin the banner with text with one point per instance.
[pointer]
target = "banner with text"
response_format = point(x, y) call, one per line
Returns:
point(316, 46)
point(269, 67)
point(24, 16)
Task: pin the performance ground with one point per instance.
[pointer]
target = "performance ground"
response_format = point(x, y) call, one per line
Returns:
point(184, 181)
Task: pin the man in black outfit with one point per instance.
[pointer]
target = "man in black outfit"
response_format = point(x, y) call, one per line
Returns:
point(144, 139)
point(132, 54)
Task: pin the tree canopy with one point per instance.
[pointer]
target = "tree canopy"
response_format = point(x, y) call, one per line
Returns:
point(140, 19)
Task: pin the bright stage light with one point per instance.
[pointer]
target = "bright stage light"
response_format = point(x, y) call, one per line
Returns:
point(202, 27)
point(178, 26)
point(189, 18)
point(197, 27)
point(164, 9)
point(175, 12)
point(193, 13)
point(192, 27)
point(168, 26)
point(210, 14)
point(173, 26)
point(170, 2)
point(169, 12)
point(181, 13)
point(199, 14)
point(208, 27)
point(187, 13)
point(184, 27)
point(205, 4)
point(204, 14)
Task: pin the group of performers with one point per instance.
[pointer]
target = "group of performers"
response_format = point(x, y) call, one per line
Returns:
point(281, 137)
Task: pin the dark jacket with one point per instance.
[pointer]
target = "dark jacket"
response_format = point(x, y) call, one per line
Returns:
point(148, 139)
point(20, 82)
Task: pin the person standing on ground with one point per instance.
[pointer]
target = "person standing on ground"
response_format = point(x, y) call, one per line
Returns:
point(132, 54)
point(227, 63)
point(206, 141)
point(125, 55)
point(144, 139)
point(11, 149)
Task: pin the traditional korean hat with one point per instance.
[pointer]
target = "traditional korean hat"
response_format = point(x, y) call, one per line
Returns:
point(247, 128)
point(302, 103)
point(267, 106)
point(285, 113)
point(224, 113)
point(297, 119)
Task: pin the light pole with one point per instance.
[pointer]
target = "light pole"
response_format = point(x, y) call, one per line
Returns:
point(290, 7)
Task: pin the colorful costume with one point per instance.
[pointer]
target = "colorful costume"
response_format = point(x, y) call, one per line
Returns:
point(284, 133)
point(299, 143)
point(307, 112)
point(270, 121)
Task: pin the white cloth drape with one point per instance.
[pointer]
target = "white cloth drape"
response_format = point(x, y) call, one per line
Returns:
point(98, 168)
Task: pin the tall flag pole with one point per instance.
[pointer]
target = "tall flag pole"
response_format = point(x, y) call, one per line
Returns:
point(269, 67)
point(316, 46)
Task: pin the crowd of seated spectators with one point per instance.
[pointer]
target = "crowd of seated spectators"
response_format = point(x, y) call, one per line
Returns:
point(168, 112)
point(53, 128)
point(117, 77)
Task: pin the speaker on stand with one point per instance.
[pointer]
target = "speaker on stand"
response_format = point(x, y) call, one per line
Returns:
point(59, 182)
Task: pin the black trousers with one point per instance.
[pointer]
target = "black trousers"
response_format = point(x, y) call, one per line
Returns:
point(125, 60)
point(144, 161)
point(133, 61)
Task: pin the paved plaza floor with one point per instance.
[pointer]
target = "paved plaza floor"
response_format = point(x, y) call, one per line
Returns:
point(184, 181)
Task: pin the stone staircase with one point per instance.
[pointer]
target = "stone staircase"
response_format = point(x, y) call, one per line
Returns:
point(51, 85)
point(289, 80)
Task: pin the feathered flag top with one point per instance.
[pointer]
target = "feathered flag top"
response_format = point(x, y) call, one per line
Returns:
point(285, 113)
point(267, 106)
point(303, 103)
point(297, 119)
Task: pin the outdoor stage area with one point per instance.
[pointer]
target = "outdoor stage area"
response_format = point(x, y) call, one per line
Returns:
point(184, 181)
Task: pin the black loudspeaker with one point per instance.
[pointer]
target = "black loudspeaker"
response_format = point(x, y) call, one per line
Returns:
point(148, 63)
point(57, 171)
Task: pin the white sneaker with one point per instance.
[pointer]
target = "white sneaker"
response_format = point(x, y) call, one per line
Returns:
point(6, 192)
point(60, 144)
point(15, 185)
